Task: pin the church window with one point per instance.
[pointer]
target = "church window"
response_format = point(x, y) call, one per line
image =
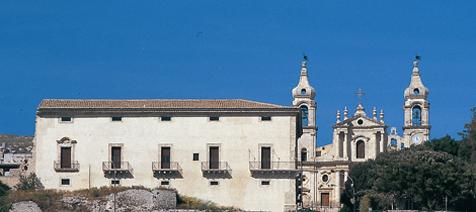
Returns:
point(116, 118)
point(214, 118)
point(393, 142)
point(66, 119)
point(325, 178)
point(304, 116)
point(416, 116)
point(416, 91)
point(360, 122)
point(165, 118)
point(303, 154)
point(265, 118)
point(360, 147)
point(303, 91)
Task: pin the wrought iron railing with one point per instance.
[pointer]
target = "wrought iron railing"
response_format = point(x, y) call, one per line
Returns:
point(273, 165)
point(215, 166)
point(166, 166)
point(116, 166)
point(69, 167)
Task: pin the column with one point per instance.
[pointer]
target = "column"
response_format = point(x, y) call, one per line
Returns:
point(346, 145)
point(337, 142)
point(382, 142)
point(337, 190)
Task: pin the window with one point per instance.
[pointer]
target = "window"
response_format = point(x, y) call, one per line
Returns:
point(318, 153)
point(325, 178)
point(416, 91)
point(360, 122)
point(165, 118)
point(214, 157)
point(65, 182)
point(303, 154)
point(304, 116)
point(265, 182)
point(196, 157)
point(402, 145)
point(303, 91)
point(416, 116)
point(214, 118)
point(164, 183)
point(165, 157)
point(66, 119)
point(393, 142)
point(360, 147)
point(65, 156)
point(214, 183)
point(115, 182)
point(116, 157)
point(116, 118)
point(265, 118)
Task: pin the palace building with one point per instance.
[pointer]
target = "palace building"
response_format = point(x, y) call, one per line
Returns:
point(234, 152)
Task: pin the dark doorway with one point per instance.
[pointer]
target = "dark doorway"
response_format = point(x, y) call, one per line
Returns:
point(116, 157)
point(66, 157)
point(165, 158)
point(265, 157)
point(214, 157)
point(325, 200)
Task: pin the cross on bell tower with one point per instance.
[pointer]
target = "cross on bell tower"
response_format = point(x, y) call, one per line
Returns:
point(360, 93)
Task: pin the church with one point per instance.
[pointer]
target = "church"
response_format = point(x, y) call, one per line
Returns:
point(250, 155)
point(357, 136)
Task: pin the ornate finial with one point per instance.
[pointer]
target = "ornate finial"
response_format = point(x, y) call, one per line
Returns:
point(338, 116)
point(416, 62)
point(381, 116)
point(360, 93)
point(374, 113)
point(346, 112)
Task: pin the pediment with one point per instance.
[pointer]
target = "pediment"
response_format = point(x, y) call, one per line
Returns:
point(359, 121)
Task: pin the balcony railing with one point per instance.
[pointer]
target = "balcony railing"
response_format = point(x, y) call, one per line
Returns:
point(70, 167)
point(111, 166)
point(165, 167)
point(221, 166)
point(271, 166)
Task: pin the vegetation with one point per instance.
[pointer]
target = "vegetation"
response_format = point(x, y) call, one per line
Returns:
point(4, 204)
point(433, 176)
point(186, 202)
point(28, 183)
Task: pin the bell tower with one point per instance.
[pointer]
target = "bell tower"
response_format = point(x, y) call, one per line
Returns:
point(416, 128)
point(303, 97)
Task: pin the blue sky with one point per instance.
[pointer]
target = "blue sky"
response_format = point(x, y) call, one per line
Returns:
point(238, 49)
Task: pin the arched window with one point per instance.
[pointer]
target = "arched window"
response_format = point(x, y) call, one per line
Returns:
point(304, 115)
point(303, 154)
point(303, 91)
point(360, 147)
point(416, 116)
point(393, 142)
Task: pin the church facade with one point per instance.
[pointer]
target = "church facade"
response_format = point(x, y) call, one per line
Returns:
point(357, 136)
point(237, 153)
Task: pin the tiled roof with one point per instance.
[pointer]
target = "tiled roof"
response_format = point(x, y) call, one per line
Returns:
point(155, 103)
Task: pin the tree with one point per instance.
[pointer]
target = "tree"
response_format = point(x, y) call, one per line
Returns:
point(30, 182)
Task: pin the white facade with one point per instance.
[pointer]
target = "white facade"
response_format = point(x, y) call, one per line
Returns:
point(239, 135)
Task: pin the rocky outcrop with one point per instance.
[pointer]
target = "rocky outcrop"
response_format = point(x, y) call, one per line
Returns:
point(26, 206)
point(141, 200)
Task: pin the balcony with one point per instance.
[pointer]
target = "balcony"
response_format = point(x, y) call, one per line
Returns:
point(164, 168)
point(69, 167)
point(215, 167)
point(116, 167)
point(273, 166)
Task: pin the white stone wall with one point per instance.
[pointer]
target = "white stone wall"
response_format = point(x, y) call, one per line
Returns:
point(239, 139)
